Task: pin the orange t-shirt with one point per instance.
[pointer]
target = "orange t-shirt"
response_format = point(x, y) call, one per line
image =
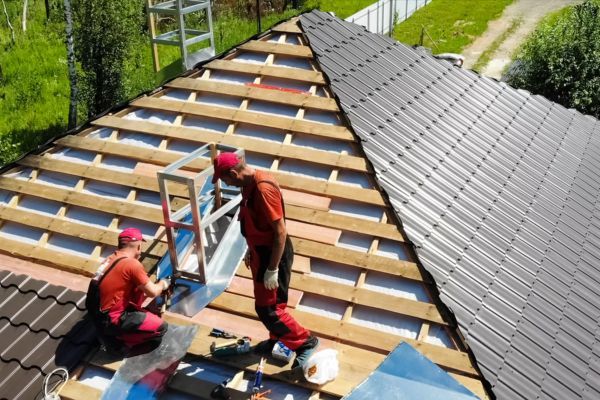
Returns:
point(266, 203)
point(119, 287)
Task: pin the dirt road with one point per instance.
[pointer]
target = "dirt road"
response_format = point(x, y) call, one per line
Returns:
point(527, 13)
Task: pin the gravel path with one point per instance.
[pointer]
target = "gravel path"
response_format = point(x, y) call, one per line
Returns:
point(529, 12)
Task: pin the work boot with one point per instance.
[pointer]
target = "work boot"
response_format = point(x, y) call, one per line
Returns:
point(304, 352)
point(265, 347)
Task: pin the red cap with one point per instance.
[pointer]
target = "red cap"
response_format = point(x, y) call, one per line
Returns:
point(131, 235)
point(223, 163)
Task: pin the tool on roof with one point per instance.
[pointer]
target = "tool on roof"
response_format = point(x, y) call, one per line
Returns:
point(230, 348)
point(258, 377)
point(221, 391)
point(282, 352)
point(260, 395)
point(220, 333)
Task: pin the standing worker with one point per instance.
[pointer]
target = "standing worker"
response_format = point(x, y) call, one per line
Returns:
point(270, 253)
point(123, 286)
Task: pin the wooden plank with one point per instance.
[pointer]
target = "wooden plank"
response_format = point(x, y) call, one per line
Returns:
point(74, 390)
point(138, 181)
point(161, 157)
point(69, 262)
point(313, 232)
point(302, 100)
point(296, 74)
point(111, 206)
point(301, 264)
point(295, 198)
point(308, 284)
point(253, 145)
point(371, 262)
point(353, 334)
point(287, 27)
point(247, 117)
point(344, 222)
point(262, 46)
point(242, 285)
point(473, 384)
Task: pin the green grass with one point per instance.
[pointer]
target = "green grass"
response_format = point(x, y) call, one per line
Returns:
point(452, 24)
point(486, 56)
point(342, 8)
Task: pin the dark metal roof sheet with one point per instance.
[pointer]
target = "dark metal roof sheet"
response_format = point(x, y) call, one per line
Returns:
point(498, 190)
point(41, 328)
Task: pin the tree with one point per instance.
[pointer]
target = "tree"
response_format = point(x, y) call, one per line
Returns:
point(103, 33)
point(561, 60)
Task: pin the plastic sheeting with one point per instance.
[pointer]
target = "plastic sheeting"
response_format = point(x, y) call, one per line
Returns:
point(406, 374)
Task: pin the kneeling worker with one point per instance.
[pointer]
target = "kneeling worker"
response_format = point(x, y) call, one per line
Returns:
point(123, 287)
point(270, 253)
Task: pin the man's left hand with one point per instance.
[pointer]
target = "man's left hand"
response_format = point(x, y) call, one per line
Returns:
point(271, 279)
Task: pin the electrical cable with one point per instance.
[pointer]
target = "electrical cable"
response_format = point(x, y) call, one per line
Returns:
point(64, 377)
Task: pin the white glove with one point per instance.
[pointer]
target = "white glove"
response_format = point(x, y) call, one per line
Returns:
point(271, 281)
point(166, 283)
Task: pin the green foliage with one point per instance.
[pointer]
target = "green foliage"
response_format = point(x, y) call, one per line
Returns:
point(561, 59)
point(342, 8)
point(452, 24)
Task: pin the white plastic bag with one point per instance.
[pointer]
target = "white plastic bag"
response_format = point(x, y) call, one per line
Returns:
point(322, 367)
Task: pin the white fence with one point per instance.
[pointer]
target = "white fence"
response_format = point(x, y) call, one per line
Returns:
point(381, 17)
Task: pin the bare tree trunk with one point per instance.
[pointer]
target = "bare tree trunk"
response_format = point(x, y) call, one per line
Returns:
point(24, 20)
point(12, 31)
point(47, 3)
point(71, 65)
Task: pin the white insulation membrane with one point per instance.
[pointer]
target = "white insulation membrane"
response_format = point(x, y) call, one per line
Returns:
point(386, 321)
point(334, 272)
point(395, 286)
point(324, 306)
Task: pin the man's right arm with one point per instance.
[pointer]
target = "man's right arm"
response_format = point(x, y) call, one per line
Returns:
point(154, 289)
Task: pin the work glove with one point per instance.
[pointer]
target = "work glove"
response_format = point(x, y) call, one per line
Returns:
point(167, 283)
point(271, 281)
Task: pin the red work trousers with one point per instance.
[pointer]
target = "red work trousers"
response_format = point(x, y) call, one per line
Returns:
point(271, 305)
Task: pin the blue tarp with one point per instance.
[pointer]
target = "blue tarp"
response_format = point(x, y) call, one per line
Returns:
point(406, 374)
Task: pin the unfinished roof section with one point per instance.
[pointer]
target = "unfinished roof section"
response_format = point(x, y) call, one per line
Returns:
point(41, 328)
point(355, 282)
point(498, 190)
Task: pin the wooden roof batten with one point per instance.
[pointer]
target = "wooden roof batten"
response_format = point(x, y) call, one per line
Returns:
point(355, 343)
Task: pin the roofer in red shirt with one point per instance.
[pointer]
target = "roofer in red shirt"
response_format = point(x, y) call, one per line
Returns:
point(270, 253)
point(123, 285)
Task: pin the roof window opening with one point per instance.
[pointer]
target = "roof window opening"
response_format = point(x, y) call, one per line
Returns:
point(177, 94)
point(439, 336)
point(183, 146)
point(324, 306)
point(206, 123)
point(148, 197)
point(386, 321)
point(393, 249)
point(219, 100)
point(259, 160)
point(139, 139)
point(324, 117)
point(117, 163)
point(250, 57)
point(147, 228)
point(89, 216)
point(21, 233)
point(395, 286)
point(311, 170)
point(272, 108)
point(292, 62)
point(232, 77)
point(286, 83)
point(260, 132)
point(70, 244)
point(320, 143)
point(74, 155)
point(37, 204)
point(356, 209)
point(355, 241)
point(102, 134)
point(21, 173)
point(107, 189)
point(5, 196)
point(58, 179)
point(157, 117)
point(334, 272)
point(355, 179)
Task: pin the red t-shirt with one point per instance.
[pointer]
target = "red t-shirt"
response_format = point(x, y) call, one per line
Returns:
point(266, 203)
point(119, 287)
